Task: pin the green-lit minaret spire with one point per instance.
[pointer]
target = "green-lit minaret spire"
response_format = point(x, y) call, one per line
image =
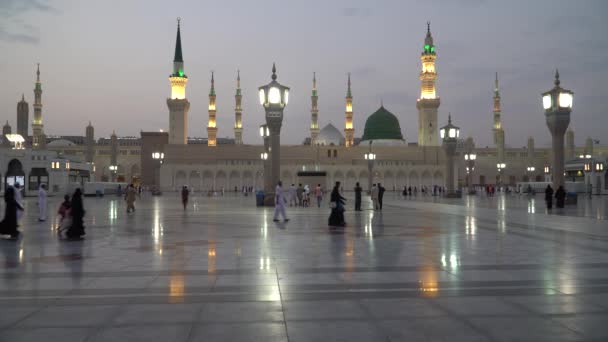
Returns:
point(178, 59)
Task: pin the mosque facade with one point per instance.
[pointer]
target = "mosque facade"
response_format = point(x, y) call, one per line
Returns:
point(337, 153)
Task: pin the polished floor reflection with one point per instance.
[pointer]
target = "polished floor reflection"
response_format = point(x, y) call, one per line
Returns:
point(423, 269)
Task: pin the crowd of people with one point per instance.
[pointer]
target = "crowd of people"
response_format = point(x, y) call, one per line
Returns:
point(71, 212)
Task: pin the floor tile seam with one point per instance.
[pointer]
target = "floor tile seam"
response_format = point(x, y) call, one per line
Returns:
point(526, 234)
point(454, 315)
point(543, 317)
point(282, 305)
point(467, 213)
point(406, 269)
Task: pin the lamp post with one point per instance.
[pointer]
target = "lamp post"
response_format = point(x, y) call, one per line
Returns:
point(449, 136)
point(265, 135)
point(158, 157)
point(113, 170)
point(499, 168)
point(469, 159)
point(274, 97)
point(371, 158)
point(530, 170)
point(557, 103)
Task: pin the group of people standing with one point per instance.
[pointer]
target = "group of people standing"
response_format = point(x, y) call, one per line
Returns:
point(71, 212)
point(301, 196)
point(560, 197)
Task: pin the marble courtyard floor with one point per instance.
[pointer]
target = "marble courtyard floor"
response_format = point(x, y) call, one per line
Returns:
point(473, 269)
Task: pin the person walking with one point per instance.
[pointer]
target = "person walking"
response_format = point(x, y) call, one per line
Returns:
point(549, 197)
point(358, 191)
point(375, 196)
point(336, 218)
point(130, 196)
point(185, 194)
point(381, 191)
point(8, 226)
point(279, 203)
point(560, 197)
point(76, 229)
point(300, 194)
point(292, 196)
point(319, 195)
point(42, 203)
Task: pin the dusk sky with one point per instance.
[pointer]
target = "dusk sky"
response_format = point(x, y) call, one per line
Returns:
point(109, 61)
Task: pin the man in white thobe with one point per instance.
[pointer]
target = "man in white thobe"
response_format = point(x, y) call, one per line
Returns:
point(279, 203)
point(293, 200)
point(42, 203)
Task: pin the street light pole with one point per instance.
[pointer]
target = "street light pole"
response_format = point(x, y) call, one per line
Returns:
point(371, 158)
point(274, 97)
point(557, 103)
point(449, 135)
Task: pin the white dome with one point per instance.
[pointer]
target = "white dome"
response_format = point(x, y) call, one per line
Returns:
point(60, 143)
point(330, 135)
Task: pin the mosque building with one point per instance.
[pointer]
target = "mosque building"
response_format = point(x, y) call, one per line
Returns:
point(171, 159)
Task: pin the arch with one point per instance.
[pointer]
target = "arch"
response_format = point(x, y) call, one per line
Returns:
point(14, 173)
point(389, 180)
point(195, 180)
point(426, 179)
point(438, 178)
point(413, 179)
point(401, 179)
point(286, 177)
point(220, 180)
point(351, 179)
point(248, 178)
point(234, 180)
point(180, 179)
point(135, 173)
point(259, 180)
point(207, 184)
point(338, 177)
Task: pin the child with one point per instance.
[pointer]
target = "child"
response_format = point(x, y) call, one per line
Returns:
point(64, 212)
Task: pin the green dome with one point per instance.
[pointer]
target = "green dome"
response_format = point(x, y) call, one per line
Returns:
point(382, 125)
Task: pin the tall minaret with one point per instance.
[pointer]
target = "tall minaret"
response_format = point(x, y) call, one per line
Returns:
point(114, 154)
point(349, 130)
point(428, 103)
point(177, 103)
point(38, 137)
point(90, 143)
point(314, 112)
point(238, 112)
point(23, 113)
point(570, 143)
point(212, 124)
point(499, 133)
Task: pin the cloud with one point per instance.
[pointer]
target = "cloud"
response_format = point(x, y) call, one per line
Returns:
point(12, 28)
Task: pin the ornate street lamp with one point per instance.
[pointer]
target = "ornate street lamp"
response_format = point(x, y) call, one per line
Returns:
point(449, 135)
point(274, 97)
point(557, 104)
point(469, 159)
point(371, 158)
point(500, 167)
point(159, 157)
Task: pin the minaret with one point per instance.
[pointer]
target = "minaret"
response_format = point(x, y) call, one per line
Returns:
point(428, 103)
point(6, 129)
point(530, 151)
point(38, 137)
point(499, 133)
point(314, 112)
point(238, 112)
point(23, 114)
point(177, 103)
point(589, 146)
point(212, 124)
point(349, 130)
point(90, 143)
point(570, 143)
